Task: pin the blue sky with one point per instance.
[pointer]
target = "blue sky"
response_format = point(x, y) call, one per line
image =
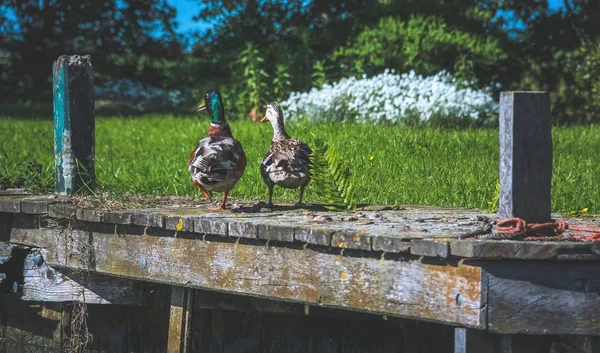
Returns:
point(186, 9)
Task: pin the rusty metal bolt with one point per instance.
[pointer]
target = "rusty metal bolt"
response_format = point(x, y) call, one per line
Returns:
point(38, 260)
point(459, 299)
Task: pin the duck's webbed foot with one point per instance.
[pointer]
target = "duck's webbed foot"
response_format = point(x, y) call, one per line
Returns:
point(223, 205)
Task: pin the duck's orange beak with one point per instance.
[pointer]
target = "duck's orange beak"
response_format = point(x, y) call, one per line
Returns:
point(264, 119)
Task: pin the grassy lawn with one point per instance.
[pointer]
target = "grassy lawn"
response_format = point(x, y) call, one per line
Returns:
point(391, 165)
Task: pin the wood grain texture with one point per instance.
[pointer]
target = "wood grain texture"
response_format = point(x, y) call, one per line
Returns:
point(543, 297)
point(147, 219)
point(526, 250)
point(399, 288)
point(525, 156)
point(48, 284)
point(117, 217)
point(74, 125)
point(34, 206)
point(180, 319)
point(8, 204)
point(389, 231)
point(430, 247)
point(89, 215)
point(6, 252)
point(473, 341)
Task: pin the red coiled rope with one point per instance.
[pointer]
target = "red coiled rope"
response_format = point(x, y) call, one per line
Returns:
point(552, 230)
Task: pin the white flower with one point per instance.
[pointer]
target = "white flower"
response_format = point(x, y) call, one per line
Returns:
point(391, 97)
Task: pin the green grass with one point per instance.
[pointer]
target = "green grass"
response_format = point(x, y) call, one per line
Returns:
point(420, 166)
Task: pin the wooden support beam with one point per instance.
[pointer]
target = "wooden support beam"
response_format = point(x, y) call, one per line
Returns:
point(541, 298)
point(525, 156)
point(473, 341)
point(45, 283)
point(74, 126)
point(180, 319)
point(442, 293)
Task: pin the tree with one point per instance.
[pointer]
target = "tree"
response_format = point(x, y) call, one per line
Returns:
point(128, 39)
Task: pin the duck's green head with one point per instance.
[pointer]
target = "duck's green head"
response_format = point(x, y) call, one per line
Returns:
point(214, 106)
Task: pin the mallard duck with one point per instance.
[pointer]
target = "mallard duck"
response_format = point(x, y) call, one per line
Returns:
point(286, 161)
point(218, 161)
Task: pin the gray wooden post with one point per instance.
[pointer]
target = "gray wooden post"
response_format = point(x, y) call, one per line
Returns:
point(74, 126)
point(525, 156)
point(472, 341)
point(180, 320)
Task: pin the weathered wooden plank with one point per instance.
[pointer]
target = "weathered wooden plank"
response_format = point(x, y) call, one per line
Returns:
point(10, 205)
point(210, 226)
point(526, 250)
point(117, 217)
point(430, 247)
point(242, 229)
point(180, 320)
point(26, 221)
point(351, 240)
point(89, 215)
point(6, 251)
point(204, 299)
point(390, 244)
point(279, 233)
point(396, 288)
point(35, 206)
point(472, 341)
point(525, 156)
point(180, 224)
point(48, 284)
point(543, 297)
point(74, 126)
point(313, 235)
point(147, 219)
point(62, 210)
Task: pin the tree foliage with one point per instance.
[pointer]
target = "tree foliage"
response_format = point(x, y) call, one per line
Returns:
point(508, 44)
point(127, 38)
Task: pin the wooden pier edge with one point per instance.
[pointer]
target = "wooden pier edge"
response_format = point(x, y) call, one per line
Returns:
point(405, 288)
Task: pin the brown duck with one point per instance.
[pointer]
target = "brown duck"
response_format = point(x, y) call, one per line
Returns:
point(286, 161)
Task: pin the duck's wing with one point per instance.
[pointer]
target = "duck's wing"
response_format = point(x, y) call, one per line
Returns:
point(291, 156)
point(216, 160)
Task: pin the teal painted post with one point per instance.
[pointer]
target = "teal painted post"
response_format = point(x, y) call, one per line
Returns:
point(74, 126)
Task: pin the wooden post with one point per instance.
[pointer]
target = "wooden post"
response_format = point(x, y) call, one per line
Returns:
point(472, 341)
point(525, 156)
point(73, 124)
point(182, 305)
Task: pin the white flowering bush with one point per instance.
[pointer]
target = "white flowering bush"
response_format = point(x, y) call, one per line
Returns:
point(141, 96)
point(391, 97)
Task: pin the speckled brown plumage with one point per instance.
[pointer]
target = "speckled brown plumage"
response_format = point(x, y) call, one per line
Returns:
point(286, 161)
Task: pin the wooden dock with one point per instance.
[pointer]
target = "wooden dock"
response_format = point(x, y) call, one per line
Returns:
point(377, 279)
point(381, 262)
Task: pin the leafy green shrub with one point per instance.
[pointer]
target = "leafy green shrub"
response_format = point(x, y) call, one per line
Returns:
point(426, 45)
